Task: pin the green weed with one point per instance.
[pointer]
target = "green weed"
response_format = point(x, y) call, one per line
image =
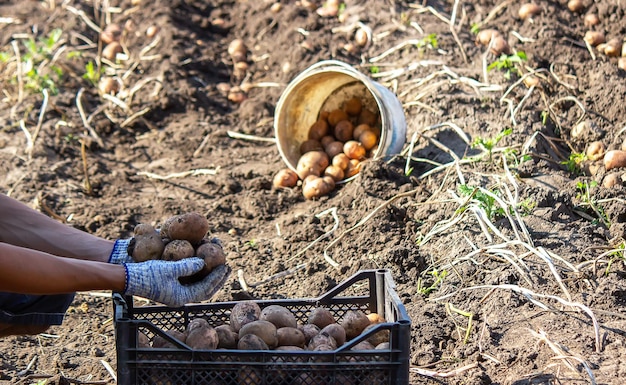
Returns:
point(427, 42)
point(92, 74)
point(574, 162)
point(438, 278)
point(489, 144)
point(588, 203)
point(38, 73)
point(508, 63)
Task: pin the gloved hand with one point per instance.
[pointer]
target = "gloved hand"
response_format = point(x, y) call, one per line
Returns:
point(119, 254)
point(158, 281)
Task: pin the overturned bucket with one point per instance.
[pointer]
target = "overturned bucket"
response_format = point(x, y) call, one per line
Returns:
point(325, 86)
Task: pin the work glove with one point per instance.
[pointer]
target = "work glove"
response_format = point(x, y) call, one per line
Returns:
point(119, 254)
point(158, 281)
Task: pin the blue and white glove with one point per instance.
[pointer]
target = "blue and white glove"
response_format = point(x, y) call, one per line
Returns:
point(119, 254)
point(158, 281)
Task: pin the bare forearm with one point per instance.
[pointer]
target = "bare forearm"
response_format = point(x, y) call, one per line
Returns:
point(22, 226)
point(34, 272)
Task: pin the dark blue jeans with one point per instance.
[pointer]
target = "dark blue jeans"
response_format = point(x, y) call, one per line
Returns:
point(21, 309)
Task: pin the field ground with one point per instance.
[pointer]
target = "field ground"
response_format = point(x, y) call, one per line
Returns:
point(493, 213)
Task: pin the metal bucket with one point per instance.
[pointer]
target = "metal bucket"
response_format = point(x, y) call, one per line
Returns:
point(324, 87)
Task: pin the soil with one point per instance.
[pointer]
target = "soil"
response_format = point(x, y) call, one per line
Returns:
point(532, 265)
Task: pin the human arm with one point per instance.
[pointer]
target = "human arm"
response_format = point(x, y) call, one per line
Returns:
point(22, 226)
point(30, 271)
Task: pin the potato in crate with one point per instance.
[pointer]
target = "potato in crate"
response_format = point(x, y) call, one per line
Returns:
point(358, 333)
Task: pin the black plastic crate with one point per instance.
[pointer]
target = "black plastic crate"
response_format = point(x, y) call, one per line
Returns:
point(372, 291)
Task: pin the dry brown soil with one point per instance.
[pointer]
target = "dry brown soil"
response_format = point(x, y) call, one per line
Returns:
point(528, 278)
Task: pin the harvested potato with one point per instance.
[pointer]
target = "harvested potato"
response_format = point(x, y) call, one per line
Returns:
point(337, 332)
point(321, 317)
point(333, 148)
point(353, 106)
point(354, 321)
point(242, 313)
point(142, 340)
point(146, 244)
point(309, 331)
point(322, 339)
point(383, 346)
point(376, 318)
point(343, 130)
point(163, 343)
point(595, 150)
point(213, 254)
point(288, 348)
point(354, 149)
point(280, 316)
point(201, 335)
point(264, 329)
point(336, 116)
point(177, 249)
point(318, 130)
point(290, 336)
point(367, 117)
point(311, 145)
point(378, 337)
point(251, 342)
point(334, 172)
point(614, 159)
point(227, 338)
point(312, 163)
point(191, 227)
point(363, 345)
point(285, 178)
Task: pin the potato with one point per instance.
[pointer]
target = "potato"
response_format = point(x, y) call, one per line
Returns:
point(614, 159)
point(142, 340)
point(316, 187)
point(354, 149)
point(318, 130)
point(341, 161)
point(337, 332)
point(280, 316)
point(343, 130)
point(163, 343)
point(367, 117)
point(146, 244)
point(213, 254)
point(202, 336)
point(289, 348)
point(251, 342)
point(285, 178)
point(242, 313)
point(309, 331)
point(595, 150)
point(321, 317)
point(353, 106)
point(363, 345)
point(264, 329)
point(177, 249)
point(378, 337)
point(227, 337)
point(336, 116)
point(311, 145)
point(312, 163)
point(334, 148)
point(354, 321)
point(383, 346)
point(290, 336)
point(191, 227)
point(376, 318)
point(334, 172)
point(322, 339)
